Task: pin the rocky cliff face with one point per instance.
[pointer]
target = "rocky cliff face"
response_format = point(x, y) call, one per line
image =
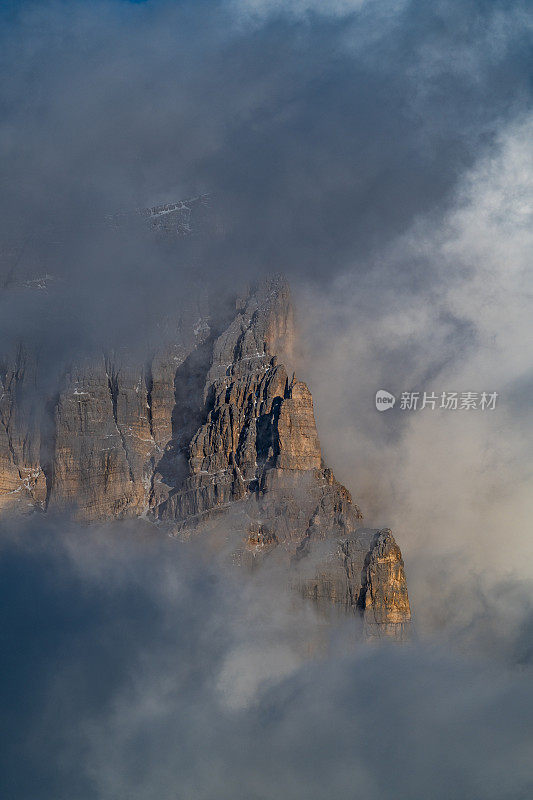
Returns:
point(211, 425)
point(22, 481)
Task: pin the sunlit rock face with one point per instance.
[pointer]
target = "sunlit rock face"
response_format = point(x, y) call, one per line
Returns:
point(211, 432)
point(384, 597)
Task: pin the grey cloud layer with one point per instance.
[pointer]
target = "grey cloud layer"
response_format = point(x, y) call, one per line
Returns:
point(320, 140)
point(455, 485)
point(132, 680)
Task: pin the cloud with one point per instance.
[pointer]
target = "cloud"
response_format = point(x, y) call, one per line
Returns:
point(454, 485)
point(139, 668)
point(319, 144)
point(261, 9)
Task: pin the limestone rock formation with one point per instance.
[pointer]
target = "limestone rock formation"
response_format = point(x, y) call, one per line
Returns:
point(384, 590)
point(22, 481)
point(211, 425)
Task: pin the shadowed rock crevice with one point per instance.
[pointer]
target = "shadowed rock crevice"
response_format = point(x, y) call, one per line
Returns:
point(149, 383)
point(113, 384)
point(48, 445)
point(188, 414)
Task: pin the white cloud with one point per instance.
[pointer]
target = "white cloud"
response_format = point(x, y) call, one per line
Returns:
point(448, 308)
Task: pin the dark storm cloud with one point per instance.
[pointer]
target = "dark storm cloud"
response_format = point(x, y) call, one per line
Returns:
point(320, 136)
point(135, 669)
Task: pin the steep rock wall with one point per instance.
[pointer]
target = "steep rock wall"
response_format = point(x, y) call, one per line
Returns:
point(212, 423)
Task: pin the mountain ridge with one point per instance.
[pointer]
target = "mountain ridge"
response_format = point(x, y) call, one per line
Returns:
point(211, 425)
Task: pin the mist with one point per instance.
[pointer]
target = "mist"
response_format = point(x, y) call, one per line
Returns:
point(143, 668)
point(319, 135)
point(454, 484)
